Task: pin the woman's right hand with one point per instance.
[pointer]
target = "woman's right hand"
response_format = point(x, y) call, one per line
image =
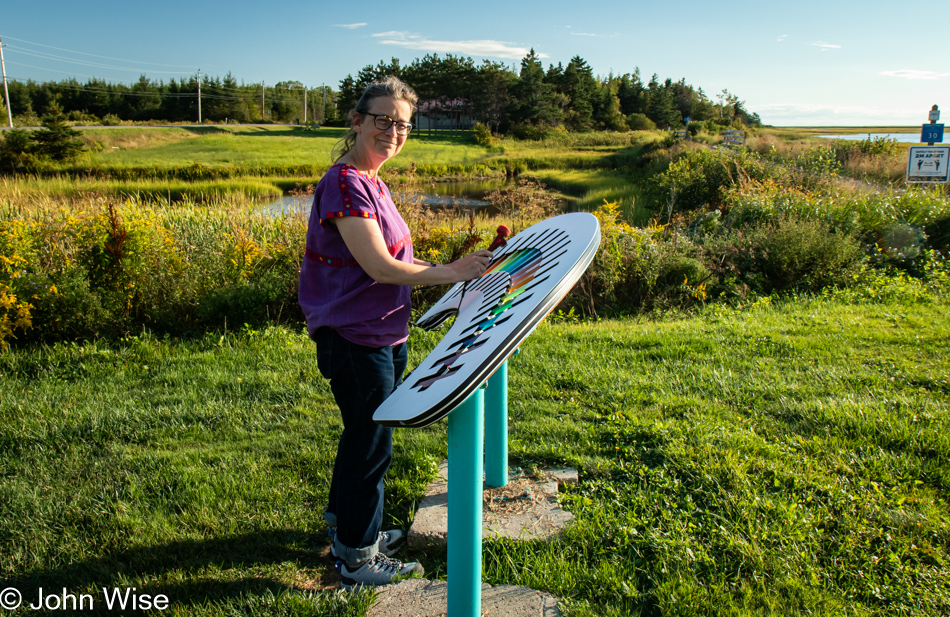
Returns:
point(472, 265)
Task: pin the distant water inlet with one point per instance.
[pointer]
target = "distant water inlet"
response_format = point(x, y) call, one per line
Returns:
point(904, 138)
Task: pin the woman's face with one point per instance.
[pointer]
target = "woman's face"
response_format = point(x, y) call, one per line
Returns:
point(380, 145)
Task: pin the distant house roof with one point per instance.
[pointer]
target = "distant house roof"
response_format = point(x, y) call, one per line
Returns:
point(443, 105)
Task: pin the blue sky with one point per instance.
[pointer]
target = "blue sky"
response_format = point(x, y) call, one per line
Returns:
point(806, 62)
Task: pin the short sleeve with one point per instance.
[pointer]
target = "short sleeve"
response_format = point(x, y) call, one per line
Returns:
point(351, 195)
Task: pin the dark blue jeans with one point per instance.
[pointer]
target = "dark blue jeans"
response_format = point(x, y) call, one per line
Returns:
point(360, 378)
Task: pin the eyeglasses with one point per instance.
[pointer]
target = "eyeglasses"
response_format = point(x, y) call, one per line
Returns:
point(383, 122)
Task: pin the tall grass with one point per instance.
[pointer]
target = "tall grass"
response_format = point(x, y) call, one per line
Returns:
point(29, 188)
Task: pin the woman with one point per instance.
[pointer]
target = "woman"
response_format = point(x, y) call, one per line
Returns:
point(354, 290)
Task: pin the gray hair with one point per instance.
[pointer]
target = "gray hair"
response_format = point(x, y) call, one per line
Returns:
point(391, 86)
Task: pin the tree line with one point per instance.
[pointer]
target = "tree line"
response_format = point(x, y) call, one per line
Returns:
point(222, 100)
point(534, 99)
point(524, 103)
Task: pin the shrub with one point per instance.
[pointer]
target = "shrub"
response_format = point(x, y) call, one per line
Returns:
point(16, 152)
point(639, 270)
point(640, 122)
point(28, 118)
point(878, 146)
point(701, 177)
point(99, 268)
point(15, 289)
point(880, 160)
point(526, 200)
point(819, 160)
point(785, 254)
point(705, 126)
point(482, 135)
point(938, 234)
point(82, 117)
point(528, 132)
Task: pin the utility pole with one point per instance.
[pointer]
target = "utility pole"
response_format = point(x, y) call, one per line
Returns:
point(6, 93)
point(199, 96)
point(305, 105)
point(262, 100)
point(324, 120)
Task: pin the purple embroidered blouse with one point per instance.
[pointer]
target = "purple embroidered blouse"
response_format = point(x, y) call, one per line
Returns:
point(334, 290)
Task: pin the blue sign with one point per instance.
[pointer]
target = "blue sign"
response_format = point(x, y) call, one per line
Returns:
point(931, 133)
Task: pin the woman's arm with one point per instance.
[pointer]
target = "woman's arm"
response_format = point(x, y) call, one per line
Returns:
point(366, 243)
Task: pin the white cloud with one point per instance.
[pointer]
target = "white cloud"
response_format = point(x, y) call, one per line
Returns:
point(351, 26)
point(782, 38)
point(914, 74)
point(480, 47)
point(826, 46)
point(819, 114)
point(598, 36)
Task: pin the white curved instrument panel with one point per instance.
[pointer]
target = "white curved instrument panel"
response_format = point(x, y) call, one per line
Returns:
point(524, 281)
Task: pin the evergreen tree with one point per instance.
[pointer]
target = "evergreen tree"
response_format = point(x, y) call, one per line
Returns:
point(287, 101)
point(350, 93)
point(144, 99)
point(171, 108)
point(493, 82)
point(21, 101)
point(580, 88)
point(607, 110)
point(58, 142)
point(660, 106)
point(630, 91)
point(534, 101)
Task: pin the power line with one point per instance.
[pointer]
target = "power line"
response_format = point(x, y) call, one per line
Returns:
point(43, 68)
point(214, 91)
point(97, 65)
point(94, 55)
point(78, 88)
point(237, 96)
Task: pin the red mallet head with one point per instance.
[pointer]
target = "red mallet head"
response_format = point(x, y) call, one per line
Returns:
point(499, 241)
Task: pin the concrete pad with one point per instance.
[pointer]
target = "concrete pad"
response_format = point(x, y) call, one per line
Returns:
point(563, 476)
point(526, 509)
point(418, 597)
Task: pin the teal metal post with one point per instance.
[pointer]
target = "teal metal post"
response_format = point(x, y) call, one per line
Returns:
point(466, 443)
point(496, 428)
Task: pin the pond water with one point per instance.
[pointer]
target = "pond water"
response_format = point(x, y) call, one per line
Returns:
point(904, 138)
point(436, 195)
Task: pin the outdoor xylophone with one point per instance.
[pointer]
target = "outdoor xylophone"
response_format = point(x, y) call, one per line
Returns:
point(524, 281)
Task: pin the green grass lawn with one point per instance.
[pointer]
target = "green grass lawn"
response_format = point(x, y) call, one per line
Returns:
point(286, 146)
point(781, 459)
point(256, 146)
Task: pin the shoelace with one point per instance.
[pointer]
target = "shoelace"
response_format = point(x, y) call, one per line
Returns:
point(387, 563)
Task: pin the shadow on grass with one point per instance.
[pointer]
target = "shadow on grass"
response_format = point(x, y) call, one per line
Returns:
point(205, 130)
point(198, 572)
point(293, 131)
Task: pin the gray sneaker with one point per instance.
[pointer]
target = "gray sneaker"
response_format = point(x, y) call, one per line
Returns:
point(389, 541)
point(380, 570)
